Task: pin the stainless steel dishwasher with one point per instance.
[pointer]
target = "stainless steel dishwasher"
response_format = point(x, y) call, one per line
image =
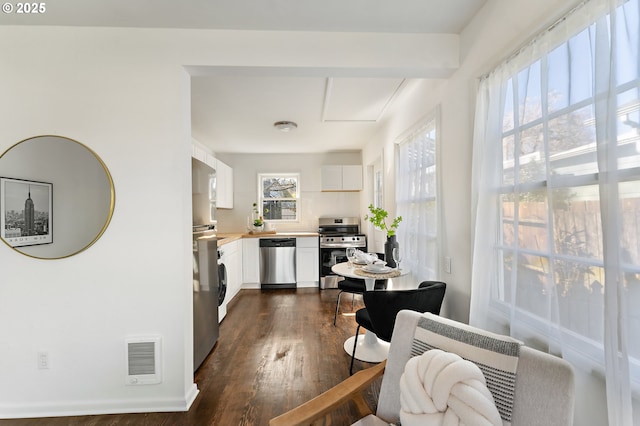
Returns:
point(277, 263)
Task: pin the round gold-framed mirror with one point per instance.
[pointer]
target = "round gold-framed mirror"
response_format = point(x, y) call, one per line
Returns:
point(56, 197)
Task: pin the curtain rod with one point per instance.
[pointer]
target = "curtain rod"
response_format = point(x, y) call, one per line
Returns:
point(538, 36)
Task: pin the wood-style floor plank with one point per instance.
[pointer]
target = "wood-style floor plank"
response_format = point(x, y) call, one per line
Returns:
point(276, 350)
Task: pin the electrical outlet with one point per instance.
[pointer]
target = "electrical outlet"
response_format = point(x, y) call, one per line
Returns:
point(43, 360)
point(447, 265)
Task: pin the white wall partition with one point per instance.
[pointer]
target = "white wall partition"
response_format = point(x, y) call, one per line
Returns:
point(129, 108)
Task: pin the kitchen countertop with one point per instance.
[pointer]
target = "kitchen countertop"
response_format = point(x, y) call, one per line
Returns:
point(224, 238)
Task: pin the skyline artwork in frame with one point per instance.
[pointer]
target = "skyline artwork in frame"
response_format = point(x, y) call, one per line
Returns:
point(26, 209)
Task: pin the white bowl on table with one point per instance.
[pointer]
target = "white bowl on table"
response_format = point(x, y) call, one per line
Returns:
point(378, 265)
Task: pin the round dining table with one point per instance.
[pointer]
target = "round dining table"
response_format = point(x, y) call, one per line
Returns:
point(369, 349)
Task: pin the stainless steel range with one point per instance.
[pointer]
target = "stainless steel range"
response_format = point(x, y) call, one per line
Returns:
point(336, 235)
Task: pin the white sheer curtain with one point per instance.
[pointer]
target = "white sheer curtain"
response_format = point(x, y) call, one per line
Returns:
point(556, 197)
point(417, 200)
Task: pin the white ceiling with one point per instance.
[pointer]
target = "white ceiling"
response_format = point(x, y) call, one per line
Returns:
point(331, 113)
point(236, 112)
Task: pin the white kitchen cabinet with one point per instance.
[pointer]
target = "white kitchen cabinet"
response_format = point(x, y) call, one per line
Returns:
point(233, 252)
point(341, 178)
point(202, 155)
point(224, 175)
point(198, 153)
point(307, 262)
point(332, 178)
point(351, 178)
point(251, 261)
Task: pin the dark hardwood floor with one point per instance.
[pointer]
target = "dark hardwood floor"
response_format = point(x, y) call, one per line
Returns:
point(277, 349)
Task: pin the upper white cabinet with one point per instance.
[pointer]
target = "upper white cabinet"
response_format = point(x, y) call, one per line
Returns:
point(332, 178)
point(341, 178)
point(351, 178)
point(202, 155)
point(224, 177)
point(224, 174)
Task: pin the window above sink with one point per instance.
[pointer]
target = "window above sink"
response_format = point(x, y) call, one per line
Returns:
point(279, 196)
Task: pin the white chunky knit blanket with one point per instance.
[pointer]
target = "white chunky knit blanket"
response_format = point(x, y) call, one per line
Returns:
point(440, 388)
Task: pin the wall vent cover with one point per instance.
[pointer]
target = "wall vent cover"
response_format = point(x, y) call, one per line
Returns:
point(143, 360)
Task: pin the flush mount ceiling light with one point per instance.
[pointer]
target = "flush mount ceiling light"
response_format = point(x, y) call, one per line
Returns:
point(285, 126)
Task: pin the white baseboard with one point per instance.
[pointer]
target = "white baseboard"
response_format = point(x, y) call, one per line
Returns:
point(251, 286)
point(89, 408)
point(305, 284)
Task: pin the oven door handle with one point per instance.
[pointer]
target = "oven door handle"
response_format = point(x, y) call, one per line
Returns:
point(340, 245)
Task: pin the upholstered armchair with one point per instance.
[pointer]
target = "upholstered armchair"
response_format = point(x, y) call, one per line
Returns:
point(533, 387)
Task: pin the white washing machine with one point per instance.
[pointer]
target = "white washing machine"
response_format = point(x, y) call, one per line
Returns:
point(222, 285)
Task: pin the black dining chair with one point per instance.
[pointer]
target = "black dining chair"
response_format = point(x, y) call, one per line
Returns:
point(381, 307)
point(354, 286)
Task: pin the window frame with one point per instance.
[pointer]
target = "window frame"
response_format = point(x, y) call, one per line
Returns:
point(427, 240)
point(578, 345)
point(261, 198)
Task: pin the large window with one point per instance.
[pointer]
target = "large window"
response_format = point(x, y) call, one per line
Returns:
point(557, 175)
point(417, 201)
point(279, 195)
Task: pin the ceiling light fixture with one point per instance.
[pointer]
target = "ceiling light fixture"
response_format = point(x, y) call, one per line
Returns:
point(285, 126)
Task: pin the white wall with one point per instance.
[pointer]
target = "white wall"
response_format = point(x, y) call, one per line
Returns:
point(129, 108)
point(499, 29)
point(313, 202)
point(125, 94)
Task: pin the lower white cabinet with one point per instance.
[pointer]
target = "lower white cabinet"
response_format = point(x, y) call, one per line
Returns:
point(233, 262)
point(251, 261)
point(307, 262)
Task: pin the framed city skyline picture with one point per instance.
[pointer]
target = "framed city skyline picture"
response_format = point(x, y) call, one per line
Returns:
point(26, 208)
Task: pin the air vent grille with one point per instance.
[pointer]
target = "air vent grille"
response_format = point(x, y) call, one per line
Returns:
point(143, 360)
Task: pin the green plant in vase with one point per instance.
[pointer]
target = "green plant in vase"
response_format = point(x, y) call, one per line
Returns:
point(257, 218)
point(378, 218)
